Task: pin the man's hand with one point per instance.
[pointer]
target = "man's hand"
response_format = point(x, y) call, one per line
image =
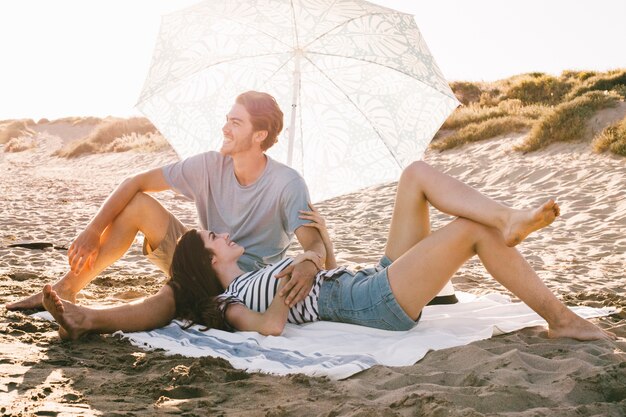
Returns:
point(84, 251)
point(300, 283)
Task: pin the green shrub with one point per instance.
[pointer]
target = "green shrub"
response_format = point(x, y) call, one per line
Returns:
point(606, 81)
point(567, 121)
point(466, 92)
point(491, 97)
point(613, 139)
point(621, 90)
point(539, 89)
point(514, 107)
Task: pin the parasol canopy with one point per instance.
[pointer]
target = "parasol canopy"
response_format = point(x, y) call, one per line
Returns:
point(361, 92)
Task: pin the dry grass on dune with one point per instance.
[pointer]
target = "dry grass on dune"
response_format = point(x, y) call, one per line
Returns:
point(113, 135)
point(613, 138)
point(10, 129)
point(149, 142)
point(609, 81)
point(481, 131)
point(552, 108)
point(467, 92)
point(475, 113)
point(20, 144)
point(539, 89)
point(567, 121)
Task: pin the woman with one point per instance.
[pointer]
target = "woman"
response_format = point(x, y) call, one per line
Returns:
point(209, 288)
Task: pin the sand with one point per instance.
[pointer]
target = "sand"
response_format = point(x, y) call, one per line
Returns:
point(582, 257)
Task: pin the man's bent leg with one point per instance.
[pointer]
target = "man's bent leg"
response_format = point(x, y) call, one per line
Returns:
point(160, 254)
point(142, 213)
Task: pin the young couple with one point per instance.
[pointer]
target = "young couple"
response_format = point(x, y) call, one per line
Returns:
point(232, 274)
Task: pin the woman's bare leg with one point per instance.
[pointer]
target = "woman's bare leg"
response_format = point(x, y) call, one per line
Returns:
point(423, 270)
point(420, 184)
point(75, 321)
point(144, 214)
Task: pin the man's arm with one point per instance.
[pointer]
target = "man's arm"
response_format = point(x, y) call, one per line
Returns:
point(84, 250)
point(302, 274)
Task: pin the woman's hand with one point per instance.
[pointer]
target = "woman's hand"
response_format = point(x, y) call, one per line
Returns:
point(309, 255)
point(317, 221)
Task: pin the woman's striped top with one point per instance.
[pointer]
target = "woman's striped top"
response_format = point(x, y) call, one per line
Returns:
point(256, 291)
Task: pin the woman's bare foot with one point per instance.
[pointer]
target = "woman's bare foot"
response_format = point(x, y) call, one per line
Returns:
point(72, 319)
point(524, 222)
point(34, 302)
point(579, 329)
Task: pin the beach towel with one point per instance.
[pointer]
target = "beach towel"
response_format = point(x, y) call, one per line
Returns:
point(339, 350)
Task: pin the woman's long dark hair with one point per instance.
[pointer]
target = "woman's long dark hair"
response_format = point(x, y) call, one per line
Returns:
point(195, 283)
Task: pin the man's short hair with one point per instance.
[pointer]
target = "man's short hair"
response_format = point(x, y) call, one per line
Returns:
point(264, 115)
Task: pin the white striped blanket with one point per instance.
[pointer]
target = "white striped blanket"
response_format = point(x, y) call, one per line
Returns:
point(338, 350)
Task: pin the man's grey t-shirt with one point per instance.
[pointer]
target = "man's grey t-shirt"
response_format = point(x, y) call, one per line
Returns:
point(262, 217)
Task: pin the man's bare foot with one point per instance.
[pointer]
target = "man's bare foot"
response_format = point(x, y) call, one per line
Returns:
point(71, 318)
point(579, 329)
point(34, 302)
point(524, 222)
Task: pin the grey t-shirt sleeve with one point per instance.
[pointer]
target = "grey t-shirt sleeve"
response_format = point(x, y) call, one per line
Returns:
point(188, 176)
point(295, 197)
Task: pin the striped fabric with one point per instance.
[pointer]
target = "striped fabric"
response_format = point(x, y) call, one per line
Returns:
point(256, 291)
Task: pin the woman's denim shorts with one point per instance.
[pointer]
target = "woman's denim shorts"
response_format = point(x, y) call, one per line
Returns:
point(363, 298)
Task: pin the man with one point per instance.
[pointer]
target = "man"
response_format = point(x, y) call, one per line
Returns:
point(240, 191)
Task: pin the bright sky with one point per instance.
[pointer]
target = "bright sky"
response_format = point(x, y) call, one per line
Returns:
point(90, 58)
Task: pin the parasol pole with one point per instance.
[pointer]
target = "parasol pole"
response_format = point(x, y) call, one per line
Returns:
point(294, 105)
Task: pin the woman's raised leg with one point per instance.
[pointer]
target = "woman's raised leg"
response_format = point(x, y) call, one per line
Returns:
point(143, 213)
point(424, 269)
point(421, 184)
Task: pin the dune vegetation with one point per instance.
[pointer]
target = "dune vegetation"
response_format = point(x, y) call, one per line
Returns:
point(551, 109)
point(566, 122)
point(546, 108)
point(116, 135)
point(12, 129)
point(612, 138)
point(110, 134)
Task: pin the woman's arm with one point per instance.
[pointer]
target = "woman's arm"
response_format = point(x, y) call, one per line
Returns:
point(318, 222)
point(270, 323)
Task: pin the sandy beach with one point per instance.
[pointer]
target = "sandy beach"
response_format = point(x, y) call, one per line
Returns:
point(581, 257)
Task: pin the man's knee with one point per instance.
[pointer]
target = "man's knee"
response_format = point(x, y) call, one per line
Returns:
point(142, 205)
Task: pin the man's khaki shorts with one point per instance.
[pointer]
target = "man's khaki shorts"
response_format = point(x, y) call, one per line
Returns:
point(162, 255)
